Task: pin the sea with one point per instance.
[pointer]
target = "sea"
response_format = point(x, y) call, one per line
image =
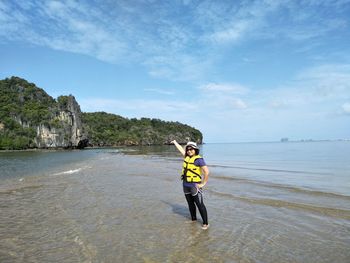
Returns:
point(266, 202)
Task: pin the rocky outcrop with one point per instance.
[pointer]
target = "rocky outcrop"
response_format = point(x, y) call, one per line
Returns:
point(65, 130)
point(30, 118)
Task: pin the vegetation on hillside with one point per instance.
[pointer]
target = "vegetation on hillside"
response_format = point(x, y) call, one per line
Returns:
point(24, 106)
point(110, 129)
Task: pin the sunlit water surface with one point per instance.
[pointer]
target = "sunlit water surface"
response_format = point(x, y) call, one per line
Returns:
point(282, 202)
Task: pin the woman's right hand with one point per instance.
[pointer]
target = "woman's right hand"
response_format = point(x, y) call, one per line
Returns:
point(201, 185)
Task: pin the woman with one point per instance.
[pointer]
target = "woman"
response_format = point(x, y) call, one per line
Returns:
point(195, 176)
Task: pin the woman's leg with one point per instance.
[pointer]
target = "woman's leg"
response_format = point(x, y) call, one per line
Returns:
point(191, 206)
point(198, 199)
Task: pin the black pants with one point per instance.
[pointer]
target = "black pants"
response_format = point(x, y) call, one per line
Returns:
point(194, 198)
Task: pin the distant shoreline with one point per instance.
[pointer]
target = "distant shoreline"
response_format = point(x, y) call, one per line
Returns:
point(55, 149)
point(279, 141)
point(131, 146)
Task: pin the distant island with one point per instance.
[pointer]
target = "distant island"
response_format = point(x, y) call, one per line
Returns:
point(313, 140)
point(30, 118)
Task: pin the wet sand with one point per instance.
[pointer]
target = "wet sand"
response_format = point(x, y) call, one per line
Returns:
point(119, 208)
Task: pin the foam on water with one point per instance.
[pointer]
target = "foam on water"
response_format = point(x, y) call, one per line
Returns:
point(69, 171)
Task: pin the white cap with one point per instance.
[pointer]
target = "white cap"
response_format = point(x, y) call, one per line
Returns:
point(192, 144)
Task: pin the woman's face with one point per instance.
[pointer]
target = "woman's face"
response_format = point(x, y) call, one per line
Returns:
point(190, 151)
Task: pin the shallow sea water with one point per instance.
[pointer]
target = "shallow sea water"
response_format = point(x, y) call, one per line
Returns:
point(112, 207)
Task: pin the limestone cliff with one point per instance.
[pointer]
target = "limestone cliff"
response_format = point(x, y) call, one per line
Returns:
point(66, 129)
point(30, 118)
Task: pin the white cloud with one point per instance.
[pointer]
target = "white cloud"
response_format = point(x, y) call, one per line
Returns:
point(277, 103)
point(174, 47)
point(346, 108)
point(57, 8)
point(137, 107)
point(238, 104)
point(232, 34)
point(64, 25)
point(297, 21)
point(161, 91)
point(224, 87)
point(178, 67)
point(222, 97)
point(316, 88)
point(327, 81)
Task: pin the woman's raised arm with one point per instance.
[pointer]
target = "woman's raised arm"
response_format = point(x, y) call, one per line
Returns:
point(179, 147)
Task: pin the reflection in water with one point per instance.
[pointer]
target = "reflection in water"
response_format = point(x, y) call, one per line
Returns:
point(117, 208)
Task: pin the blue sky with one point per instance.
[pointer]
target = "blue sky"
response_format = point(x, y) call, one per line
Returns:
point(236, 70)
